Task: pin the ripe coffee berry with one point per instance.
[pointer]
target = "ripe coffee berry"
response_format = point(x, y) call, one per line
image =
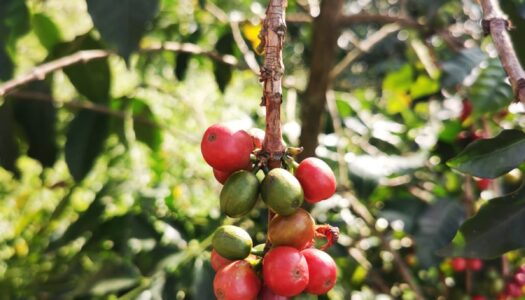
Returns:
point(322, 271)
point(285, 271)
point(221, 176)
point(236, 281)
point(316, 178)
point(458, 264)
point(474, 264)
point(217, 261)
point(226, 149)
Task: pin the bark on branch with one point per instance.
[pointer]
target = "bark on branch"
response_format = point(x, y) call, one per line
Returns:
point(497, 26)
point(272, 39)
point(40, 72)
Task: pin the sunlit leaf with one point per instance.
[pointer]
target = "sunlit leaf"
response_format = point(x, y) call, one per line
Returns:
point(423, 86)
point(490, 158)
point(47, 32)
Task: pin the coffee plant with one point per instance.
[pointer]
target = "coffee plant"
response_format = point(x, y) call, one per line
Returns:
point(385, 159)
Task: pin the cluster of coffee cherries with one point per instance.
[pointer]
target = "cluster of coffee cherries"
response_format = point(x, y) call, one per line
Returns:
point(288, 264)
point(460, 264)
point(515, 288)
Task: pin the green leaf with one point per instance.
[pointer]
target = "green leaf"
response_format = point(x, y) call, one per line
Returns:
point(8, 144)
point(182, 61)
point(400, 80)
point(14, 21)
point(490, 93)
point(85, 139)
point(37, 118)
point(423, 86)
point(122, 23)
point(202, 279)
point(6, 63)
point(88, 220)
point(47, 32)
point(450, 131)
point(145, 126)
point(456, 69)
point(497, 228)
point(435, 229)
point(223, 72)
point(490, 158)
point(344, 108)
point(91, 79)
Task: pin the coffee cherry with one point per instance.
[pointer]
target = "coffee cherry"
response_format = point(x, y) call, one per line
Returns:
point(226, 149)
point(483, 183)
point(474, 264)
point(513, 290)
point(285, 271)
point(459, 264)
point(322, 271)
point(466, 110)
point(316, 178)
point(232, 242)
point(239, 194)
point(296, 230)
point(217, 261)
point(282, 192)
point(236, 281)
point(221, 176)
point(519, 278)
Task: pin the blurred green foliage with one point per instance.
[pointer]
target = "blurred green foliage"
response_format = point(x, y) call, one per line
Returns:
point(104, 194)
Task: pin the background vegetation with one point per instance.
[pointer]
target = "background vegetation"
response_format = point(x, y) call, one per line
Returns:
point(104, 193)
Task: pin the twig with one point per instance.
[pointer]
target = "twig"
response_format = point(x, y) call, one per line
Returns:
point(497, 26)
point(272, 39)
point(363, 47)
point(381, 19)
point(249, 56)
point(22, 95)
point(40, 72)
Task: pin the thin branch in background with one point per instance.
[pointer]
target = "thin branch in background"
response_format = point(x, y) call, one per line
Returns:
point(102, 109)
point(363, 47)
point(40, 72)
point(496, 24)
point(381, 19)
point(249, 56)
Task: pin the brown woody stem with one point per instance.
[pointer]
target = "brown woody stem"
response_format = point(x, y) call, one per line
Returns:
point(497, 25)
point(272, 40)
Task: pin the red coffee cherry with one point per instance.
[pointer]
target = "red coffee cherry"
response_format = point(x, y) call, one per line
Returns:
point(226, 149)
point(316, 178)
point(466, 110)
point(322, 271)
point(519, 278)
point(513, 290)
point(221, 176)
point(474, 264)
point(478, 297)
point(236, 281)
point(459, 264)
point(217, 261)
point(285, 271)
point(483, 183)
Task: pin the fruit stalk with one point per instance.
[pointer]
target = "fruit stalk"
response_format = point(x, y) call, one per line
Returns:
point(272, 41)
